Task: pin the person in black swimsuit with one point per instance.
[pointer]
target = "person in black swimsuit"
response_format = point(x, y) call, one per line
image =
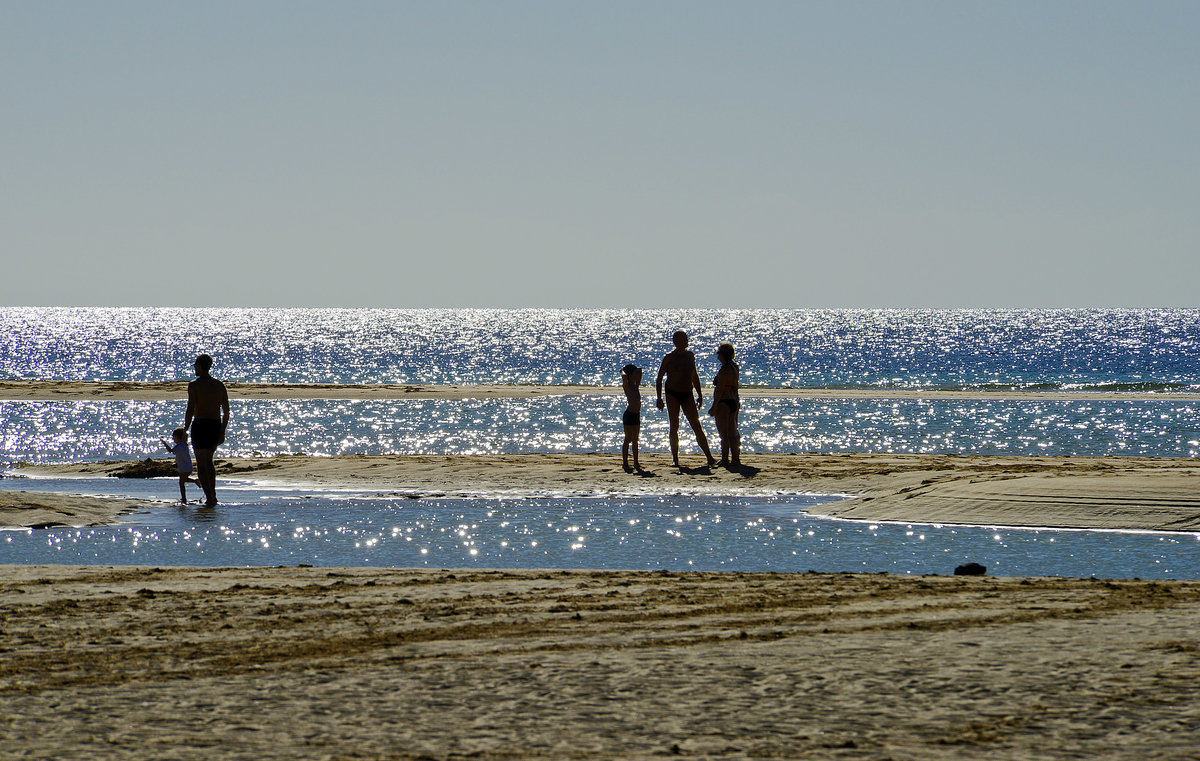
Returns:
point(726, 406)
point(678, 369)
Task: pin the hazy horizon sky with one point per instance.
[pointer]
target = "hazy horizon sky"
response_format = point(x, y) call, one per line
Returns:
point(600, 154)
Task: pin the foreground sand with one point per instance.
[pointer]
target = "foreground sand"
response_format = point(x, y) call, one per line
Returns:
point(312, 663)
point(1151, 494)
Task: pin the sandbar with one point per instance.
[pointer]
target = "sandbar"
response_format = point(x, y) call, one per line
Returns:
point(1129, 493)
point(68, 390)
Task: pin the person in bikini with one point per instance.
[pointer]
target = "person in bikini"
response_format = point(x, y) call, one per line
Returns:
point(679, 371)
point(207, 416)
point(725, 407)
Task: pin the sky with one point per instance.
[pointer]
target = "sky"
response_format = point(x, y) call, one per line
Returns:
point(624, 154)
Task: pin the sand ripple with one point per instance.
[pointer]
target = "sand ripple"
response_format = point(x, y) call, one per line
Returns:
point(340, 663)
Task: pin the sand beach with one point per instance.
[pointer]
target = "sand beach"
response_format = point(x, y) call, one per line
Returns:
point(320, 663)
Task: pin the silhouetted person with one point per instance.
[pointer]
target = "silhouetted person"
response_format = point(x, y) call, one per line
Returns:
point(207, 416)
point(726, 406)
point(631, 382)
point(183, 461)
point(679, 370)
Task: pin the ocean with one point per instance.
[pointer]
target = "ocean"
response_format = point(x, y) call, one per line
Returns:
point(1120, 350)
point(1060, 350)
point(1064, 351)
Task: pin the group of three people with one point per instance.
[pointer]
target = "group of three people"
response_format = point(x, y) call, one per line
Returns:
point(207, 413)
point(679, 378)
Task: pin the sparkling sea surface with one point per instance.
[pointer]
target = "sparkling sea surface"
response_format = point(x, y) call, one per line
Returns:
point(1036, 349)
point(1059, 350)
point(75, 431)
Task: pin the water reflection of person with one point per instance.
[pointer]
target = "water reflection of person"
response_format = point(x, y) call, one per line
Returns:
point(726, 406)
point(679, 371)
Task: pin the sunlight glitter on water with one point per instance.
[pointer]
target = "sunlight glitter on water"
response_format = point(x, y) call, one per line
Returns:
point(87, 430)
point(803, 348)
point(674, 533)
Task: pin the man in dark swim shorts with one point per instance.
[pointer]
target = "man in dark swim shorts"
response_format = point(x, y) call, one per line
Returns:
point(206, 434)
point(208, 416)
point(683, 398)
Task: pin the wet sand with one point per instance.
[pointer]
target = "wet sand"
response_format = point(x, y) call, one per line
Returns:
point(319, 663)
point(29, 509)
point(1151, 494)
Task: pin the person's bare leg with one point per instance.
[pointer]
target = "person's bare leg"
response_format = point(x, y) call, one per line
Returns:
point(694, 420)
point(183, 488)
point(631, 442)
point(206, 474)
point(721, 415)
point(735, 440)
point(673, 416)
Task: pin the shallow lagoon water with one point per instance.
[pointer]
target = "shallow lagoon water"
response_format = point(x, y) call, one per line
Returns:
point(280, 526)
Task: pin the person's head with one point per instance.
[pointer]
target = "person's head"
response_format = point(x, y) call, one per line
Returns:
point(203, 364)
point(632, 372)
point(680, 339)
point(179, 435)
point(725, 351)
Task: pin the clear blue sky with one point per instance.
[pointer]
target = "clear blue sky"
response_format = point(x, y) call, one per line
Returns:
point(610, 154)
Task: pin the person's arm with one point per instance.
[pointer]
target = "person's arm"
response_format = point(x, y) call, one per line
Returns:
point(696, 384)
point(224, 412)
point(662, 370)
point(191, 409)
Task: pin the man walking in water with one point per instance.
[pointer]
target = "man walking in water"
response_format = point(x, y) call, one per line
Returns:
point(679, 369)
point(207, 416)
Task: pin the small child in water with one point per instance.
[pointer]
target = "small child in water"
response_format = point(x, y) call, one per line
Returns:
point(631, 381)
point(183, 460)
